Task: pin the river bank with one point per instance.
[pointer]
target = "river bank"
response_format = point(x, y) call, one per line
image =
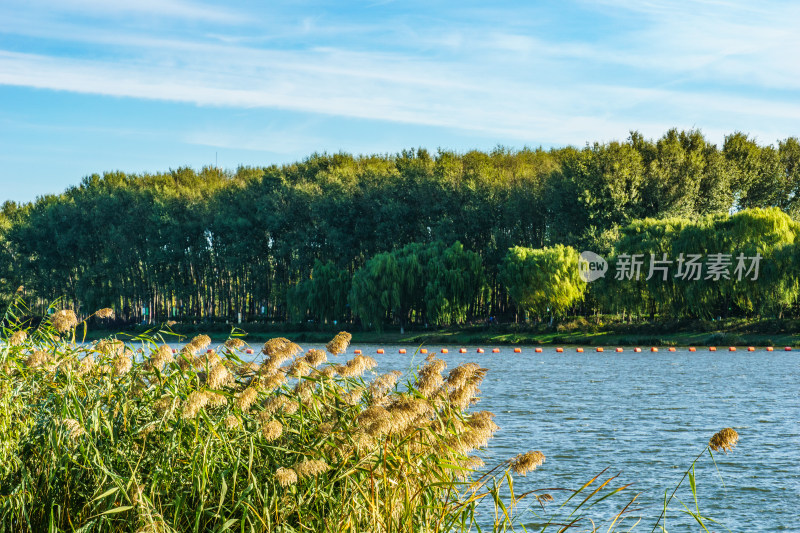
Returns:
point(734, 332)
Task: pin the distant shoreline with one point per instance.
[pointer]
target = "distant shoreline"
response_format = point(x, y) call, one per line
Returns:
point(763, 333)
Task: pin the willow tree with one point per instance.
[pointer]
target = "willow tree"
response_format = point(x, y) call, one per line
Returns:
point(714, 266)
point(389, 285)
point(640, 279)
point(768, 234)
point(544, 281)
point(418, 282)
point(455, 281)
point(323, 295)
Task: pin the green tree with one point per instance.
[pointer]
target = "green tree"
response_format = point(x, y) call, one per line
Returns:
point(543, 281)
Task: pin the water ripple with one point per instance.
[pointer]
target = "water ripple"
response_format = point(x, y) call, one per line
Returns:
point(648, 415)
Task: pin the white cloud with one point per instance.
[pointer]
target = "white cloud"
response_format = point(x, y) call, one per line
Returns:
point(750, 44)
point(682, 66)
point(393, 89)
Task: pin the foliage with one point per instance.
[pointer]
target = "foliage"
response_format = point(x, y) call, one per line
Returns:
point(768, 233)
point(195, 245)
point(545, 281)
point(433, 281)
point(323, 295)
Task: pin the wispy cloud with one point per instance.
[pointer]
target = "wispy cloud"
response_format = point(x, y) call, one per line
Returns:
point(386, 88)
point(713, 64)
point(753, 44)
point(178, 9)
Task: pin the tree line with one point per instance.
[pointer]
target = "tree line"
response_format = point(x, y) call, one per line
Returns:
point(410, 238)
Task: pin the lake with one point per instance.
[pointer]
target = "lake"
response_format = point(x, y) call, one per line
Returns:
point(645, 416)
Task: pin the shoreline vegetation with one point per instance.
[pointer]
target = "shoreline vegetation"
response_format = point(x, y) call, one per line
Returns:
point(677, 227)
point(97, 438)
point(731, 332)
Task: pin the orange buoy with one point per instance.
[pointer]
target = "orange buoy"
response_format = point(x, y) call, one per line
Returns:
point(692, 349)
point(598, 349)
point(517, 350)
point(560, 350)
point(401, 350)
point(444, 350)
point(495, 350)
point(671, 348)
point(751, 348)
point(712, 348)
point(787, 349)
point(619, 350)
point(462, 350)
point(769, 348)
point(380, 350)
point(209, 350)
point(480, 350)
point(174, 350)
point(423, 350)
point(637, 349)
point(579, 350)
point(357, 352)
point(653, 349)
point(249, 350)
point(732, 349)
point(537, 350)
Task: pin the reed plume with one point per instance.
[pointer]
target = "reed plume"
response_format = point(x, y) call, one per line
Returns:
point(201, 342)
point(381, 385)
point(315, 358)
point(86, 365)
point(219, 376)
point(233, 422)
point(110, 347)
point(216, 399)
point(356, 366)
point(122, 364)
point(64, 320)
point(280, 349)
point(310, 468)
point(194, 403)
point(73, 428)
point(234, 344)
point(273, 382)
point(18, 338)
point(164, 405)
point(298, 368)
point(286, 476)
point(272, 430)
point(105, 312)
point(39, 359)
point(161, 357)
point(724, 440)
point(338, 345)
point(246, 398)
point(527, 462)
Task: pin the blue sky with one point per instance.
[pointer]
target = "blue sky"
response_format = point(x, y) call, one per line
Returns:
point(147, 85)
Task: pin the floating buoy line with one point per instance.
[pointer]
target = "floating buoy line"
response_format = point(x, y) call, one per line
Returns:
point(560, 349)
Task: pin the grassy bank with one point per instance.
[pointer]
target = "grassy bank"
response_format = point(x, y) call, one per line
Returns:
point(732, 332)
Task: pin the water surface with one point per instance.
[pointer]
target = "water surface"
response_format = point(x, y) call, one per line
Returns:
point(646, 416)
